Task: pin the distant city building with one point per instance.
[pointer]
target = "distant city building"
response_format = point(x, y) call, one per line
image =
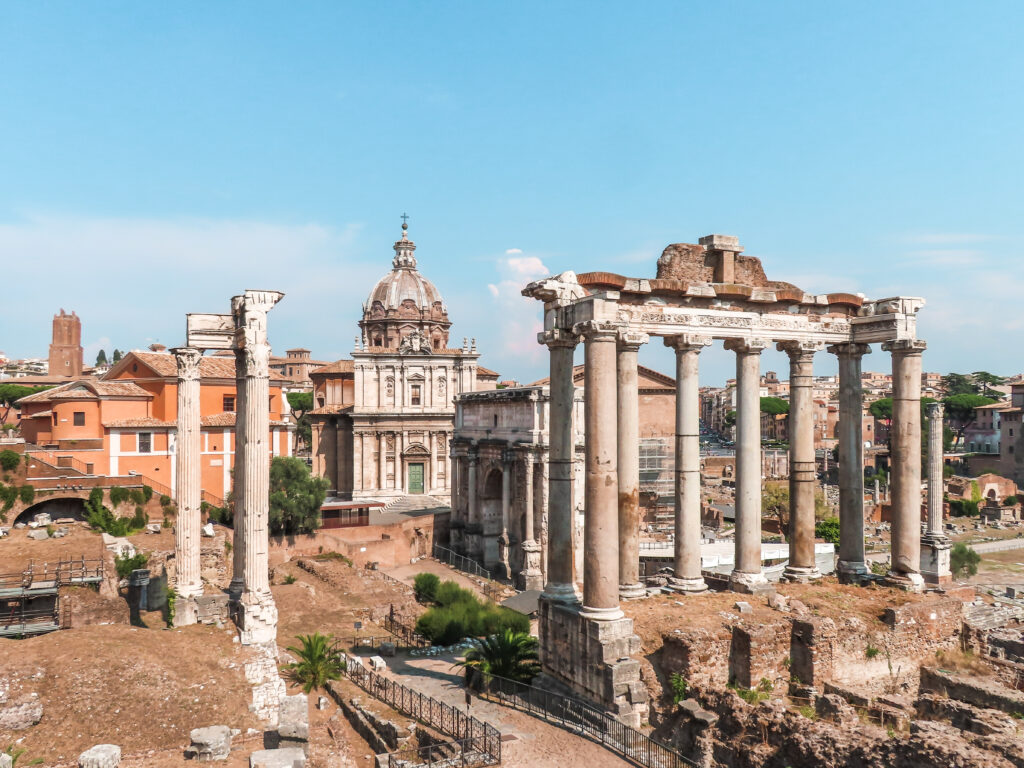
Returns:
point(66, 346)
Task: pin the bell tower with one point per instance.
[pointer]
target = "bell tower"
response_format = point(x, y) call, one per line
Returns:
point(66, 346)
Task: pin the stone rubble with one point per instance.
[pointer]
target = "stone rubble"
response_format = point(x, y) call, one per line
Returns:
point(100, 756)
point(210, 743)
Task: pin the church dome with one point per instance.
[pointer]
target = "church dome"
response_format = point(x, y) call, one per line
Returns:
point(404, 301)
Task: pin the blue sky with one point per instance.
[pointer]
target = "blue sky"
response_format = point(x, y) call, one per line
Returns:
point(157, 158)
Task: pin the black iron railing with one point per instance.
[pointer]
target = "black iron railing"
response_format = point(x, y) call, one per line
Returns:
point(404, 632)
point(583, 718)
point(475, 743)
point(460, 562)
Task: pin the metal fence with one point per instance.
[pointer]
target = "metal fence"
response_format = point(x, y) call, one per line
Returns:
point(460, 562)
point(475, 743)
point(585, 719)
point(405, 633)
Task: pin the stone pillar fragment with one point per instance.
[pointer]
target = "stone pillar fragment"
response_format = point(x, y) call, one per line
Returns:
point(905, 451)
point(531, 577)
point(935, 545)
point(561, 576)
point(628, 457)
point(802, 564)
point(601, 487)
point(747, 575)
point(852, 567)
point(188, 489)
point(256, 612)
point(687, 564)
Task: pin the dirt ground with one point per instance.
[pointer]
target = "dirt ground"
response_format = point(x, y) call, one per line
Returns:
point(17, 550)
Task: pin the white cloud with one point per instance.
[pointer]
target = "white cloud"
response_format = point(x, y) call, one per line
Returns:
point(513, 251)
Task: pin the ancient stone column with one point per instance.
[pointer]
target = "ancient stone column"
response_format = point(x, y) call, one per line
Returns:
point(747, 575)
point(257, 614)
point(852, 567)
point(601, 484)
point(474, 542)
point(687, 565)
point(802, 565)
point(238, 482)
point(905, 452)
point(629, 465)
point(561, 576)
point(935, 545)
point(531, 577)
point(188, 487)
point(507, 467)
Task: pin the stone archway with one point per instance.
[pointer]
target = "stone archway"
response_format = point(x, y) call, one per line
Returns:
point(60, 507)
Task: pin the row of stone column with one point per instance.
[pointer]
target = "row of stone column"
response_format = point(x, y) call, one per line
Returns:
point(611, 556)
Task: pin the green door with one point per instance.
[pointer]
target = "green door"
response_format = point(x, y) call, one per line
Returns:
point(415, 478)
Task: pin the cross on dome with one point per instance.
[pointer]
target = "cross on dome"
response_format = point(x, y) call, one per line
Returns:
point(404, 248)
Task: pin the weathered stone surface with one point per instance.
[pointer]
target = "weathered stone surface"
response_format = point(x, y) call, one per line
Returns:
point(39, 534)
point(6, 761)
point(100, 756)
point(744, 607)
point(293, 723)
point(278, 758)
point(834, 708)
point(210, 743)
point(24, 712)
point(980, 692)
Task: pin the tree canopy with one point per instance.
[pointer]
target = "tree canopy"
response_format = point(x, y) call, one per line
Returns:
point(774, 405)
point(960, 411)
point(12, 393)
point(295, 496)
point(985, 381)
point(101, 358)
point(301, 404)
point(117, 357)
point(882, 409)
point(958, 384)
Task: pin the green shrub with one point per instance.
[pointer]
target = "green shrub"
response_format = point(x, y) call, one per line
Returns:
point(137, 497)
point(125, 565)
point(425, 586)
point(871, 651)
point(141, 519)
point(828, 529)
point(100, 518)
point(8, 495)
point(963, 508)
point(96, 497)
point(1009, 501)
point(289, 579)
point(147, 494)
point(678, 683)
point(118, 496)
point(165, 500)
point(963, 561)
point(449, 592)
point(467, 616)
point(27, 494)
point(9, 460)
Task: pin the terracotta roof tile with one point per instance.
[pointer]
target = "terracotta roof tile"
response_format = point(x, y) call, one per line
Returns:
point(87, 389)
point(210, 366)
point(486, 372)
point(329, 410)
point(338, 366)
point(228, 420)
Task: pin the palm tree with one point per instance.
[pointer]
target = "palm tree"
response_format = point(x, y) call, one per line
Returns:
point(508, 654)
point(320, 660)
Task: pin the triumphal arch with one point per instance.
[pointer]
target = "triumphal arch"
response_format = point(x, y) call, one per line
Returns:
point(703, 293)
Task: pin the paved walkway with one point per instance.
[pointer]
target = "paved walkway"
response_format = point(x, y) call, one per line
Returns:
point(534, 743)
point(407, 574)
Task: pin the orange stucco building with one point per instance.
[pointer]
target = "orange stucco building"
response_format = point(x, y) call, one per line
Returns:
point(124, 423)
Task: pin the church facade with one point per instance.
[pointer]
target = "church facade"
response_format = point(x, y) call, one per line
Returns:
point(383, 421)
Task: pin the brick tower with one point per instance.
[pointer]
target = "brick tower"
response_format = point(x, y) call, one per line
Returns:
point(66, 347)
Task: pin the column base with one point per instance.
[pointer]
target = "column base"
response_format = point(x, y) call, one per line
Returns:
point(853, 571)
point(688, 586)
point(185, 611)
point(601, 614)
point(798, 575)
point(935, 551)
point(531, 579)
point(255, 615)
point(632, 591)
point(909, 582)
point(749, 583)
point(561, 593)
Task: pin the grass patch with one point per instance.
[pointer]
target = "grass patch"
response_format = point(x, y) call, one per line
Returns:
point(459, 613)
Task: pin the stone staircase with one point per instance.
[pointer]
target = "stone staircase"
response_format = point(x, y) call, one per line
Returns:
point(414, 503)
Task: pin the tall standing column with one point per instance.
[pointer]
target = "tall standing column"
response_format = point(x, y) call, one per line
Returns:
point(188, 488)
point(905, 451)
point(531, 577)
point(382, 457)
point(687, 565)
point(747, 575)
point(507, 467)
point(561, 574)
point(601, 484)
point(238, 478)
point(629, 465)
point(935, 545)
point(257, 612)
point(852, 567)
point(802, 565)
point(474, 542)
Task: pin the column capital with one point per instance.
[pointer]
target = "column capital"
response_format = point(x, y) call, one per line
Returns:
point(934, 410)
point(850, 349)
point(255, 359)
point(687, 342)
point(557, 337)
point(187, 359)
point(905, 346)
point(508, 455)
point(797, 349)
point(598, 330)
point(747, 346)
point(632, 340)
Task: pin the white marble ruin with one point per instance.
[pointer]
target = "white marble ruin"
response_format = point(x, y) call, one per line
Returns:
point(704, 293)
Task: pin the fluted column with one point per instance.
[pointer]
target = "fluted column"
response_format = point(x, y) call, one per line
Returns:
point(747, 574)
point(687, 566)
point(507, 467)
point(935, 545)
point(601, 485)
point(905, 452)
point(628, 454)
point(802, 565)
point(188, 488)
point(852, 567)
point(238, 478)
point(531, 577)
point(257, 613)
point(561, 575)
